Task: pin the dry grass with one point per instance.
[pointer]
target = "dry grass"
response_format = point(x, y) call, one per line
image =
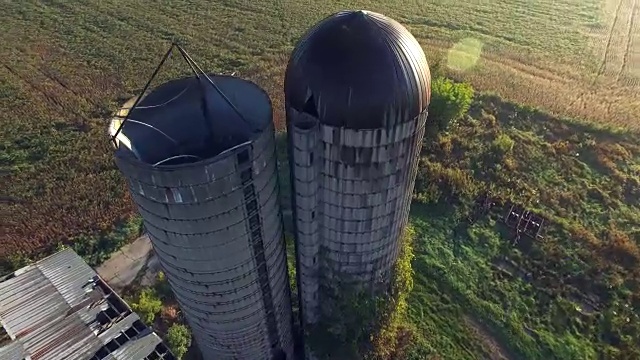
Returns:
point(66, 64)
point(598, 80)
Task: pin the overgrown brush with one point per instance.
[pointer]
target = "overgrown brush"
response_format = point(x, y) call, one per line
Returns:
point(361, 325)
point(572, 293)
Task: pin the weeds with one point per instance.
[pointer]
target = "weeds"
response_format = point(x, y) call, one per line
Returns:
point(560, 297)
point(68, 65)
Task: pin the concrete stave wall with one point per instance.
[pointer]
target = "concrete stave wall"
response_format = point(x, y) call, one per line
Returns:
point(364, 182)
point(196, 217)
point(366, 247)
point(306, 160)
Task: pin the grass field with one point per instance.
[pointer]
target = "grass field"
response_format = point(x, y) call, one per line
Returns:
point(66, 65)
point(574, 294)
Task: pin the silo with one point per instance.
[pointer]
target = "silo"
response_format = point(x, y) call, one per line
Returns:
point(198, 154)
point(357, 89)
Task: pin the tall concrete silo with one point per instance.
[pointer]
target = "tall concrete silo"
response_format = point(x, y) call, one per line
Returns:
point(199, 158)
point(357, 89)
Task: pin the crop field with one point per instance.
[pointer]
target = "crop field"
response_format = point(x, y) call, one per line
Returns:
point(66, 65)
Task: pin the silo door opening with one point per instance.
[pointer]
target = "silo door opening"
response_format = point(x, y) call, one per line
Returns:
point(308, 116)
point(310, 107)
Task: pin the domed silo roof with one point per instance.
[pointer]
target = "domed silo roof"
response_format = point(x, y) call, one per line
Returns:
point(359, 70)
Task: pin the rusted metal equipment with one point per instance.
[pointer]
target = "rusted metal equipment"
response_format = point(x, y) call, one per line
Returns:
point(524, 222)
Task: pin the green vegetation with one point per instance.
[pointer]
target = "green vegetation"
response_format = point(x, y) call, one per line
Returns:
point(389, 340)
point(68, 65)
point(158, 299)
point(147, 304)
point(365, 326)
point(94, 249)
point(291, 270)
point(14, 262)
point(162, 287)
point(573, 294)
point(344, 332)
point(179, 340)
point(4, 336)
point(502, 144)
point(450, 101)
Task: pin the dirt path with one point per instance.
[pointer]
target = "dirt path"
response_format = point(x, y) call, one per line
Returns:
point(495, 350)
point(607, 58)
point(126, 265)
point(629, 63)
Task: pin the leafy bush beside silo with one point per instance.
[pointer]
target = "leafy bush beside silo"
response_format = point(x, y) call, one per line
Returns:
point(450, 101)
point(179, 339)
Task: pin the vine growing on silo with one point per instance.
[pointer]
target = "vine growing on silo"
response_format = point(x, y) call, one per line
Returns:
point(355, 324)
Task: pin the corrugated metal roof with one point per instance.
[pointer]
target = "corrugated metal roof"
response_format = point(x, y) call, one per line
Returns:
point(51, 312)
point(12, 351)
point(137, 349)
point(359, 70)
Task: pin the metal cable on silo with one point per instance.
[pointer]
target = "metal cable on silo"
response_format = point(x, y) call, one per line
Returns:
point(192, 63)
point(153, 127)
point(139, 98)
point(177, 157)
point(164, 103)
point(197, 70)
point(165, 135)
point(144, 90)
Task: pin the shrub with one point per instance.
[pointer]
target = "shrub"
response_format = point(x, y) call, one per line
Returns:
point(427, 194)
point(445, 144)
point(435, 182)
point(425, 189)
point(386, 340)
point(170, 314)
point(162, 286)
point(147, 305)
point(418, 349)
point(620, 249)
point(179, 339)
point(562, 147)
point(489, 119)
point(361, 324)
point(16, 261)
point(96, 249)
point(449, 102)
point(503, 144)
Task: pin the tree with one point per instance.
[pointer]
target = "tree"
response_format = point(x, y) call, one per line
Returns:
point(148, 305)
point(449, 102)
point(179, 339)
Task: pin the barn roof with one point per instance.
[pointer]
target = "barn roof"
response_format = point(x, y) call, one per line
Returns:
point(59, 308)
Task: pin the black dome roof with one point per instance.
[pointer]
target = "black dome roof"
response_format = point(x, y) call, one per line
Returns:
point(358, 69)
